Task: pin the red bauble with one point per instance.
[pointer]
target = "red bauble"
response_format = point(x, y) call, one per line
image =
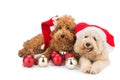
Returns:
point(28, 61)
point(57, 60)
point(54, 53)
point(68, 55)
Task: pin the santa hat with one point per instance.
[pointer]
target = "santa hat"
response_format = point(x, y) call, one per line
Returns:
point(106, 36)
point(46, 31)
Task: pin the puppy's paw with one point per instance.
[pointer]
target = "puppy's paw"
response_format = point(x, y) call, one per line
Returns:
point(24, 52)
point(85, 69)
point(21, 53)
point(94, 70)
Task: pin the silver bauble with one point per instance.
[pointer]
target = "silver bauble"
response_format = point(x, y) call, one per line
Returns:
point(71, 63)
point(43, 61)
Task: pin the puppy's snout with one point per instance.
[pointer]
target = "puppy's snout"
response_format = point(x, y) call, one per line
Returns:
point(62, 36)
point(87, 44)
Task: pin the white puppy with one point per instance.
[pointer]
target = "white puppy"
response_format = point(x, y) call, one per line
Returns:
point(90, 45)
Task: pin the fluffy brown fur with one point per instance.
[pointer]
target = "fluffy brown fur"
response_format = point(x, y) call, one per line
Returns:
point(32, 46)
point(92, 52)
point(63, 39)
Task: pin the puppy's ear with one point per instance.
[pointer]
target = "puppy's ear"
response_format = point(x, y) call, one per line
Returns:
point(52, 33)
point(57, 19)
point(76, 47)
point(73, 30)
point(100, 46)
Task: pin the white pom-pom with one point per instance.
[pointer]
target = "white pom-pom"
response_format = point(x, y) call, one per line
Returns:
point(55, 20)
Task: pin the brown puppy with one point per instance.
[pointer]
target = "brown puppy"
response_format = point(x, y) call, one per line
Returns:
point(62, 39)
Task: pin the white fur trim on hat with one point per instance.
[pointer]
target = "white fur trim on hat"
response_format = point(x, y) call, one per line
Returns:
point(55, 20)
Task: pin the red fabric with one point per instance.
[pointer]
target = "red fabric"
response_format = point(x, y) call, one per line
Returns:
point(46, 31)
point(109, 37)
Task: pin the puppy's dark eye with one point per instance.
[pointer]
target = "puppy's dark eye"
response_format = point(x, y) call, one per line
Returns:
point(67, 28)
point(59, 27)
point(94, 38)
point(86, 36)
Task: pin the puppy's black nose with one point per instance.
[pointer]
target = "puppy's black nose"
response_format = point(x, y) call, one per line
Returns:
point(62, 36)
point(87, 44)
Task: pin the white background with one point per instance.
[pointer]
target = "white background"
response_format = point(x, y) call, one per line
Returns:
point(20, 20)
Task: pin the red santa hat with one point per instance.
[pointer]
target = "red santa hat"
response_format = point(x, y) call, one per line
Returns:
point(106, 36)
point(46, 30)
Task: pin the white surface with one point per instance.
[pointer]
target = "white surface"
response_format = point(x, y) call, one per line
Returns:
point(20, 20)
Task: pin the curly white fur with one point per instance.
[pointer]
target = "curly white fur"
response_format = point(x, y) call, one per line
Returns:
point(92, 51)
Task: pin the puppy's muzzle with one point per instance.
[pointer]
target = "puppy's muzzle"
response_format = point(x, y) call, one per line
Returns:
point(88, 47)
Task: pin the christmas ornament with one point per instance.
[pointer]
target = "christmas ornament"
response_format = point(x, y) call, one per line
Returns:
point(71, 63)
point(106, 36)
point(57, 60)
point(68, 55)
point(28, 61)
point(43, 61)
point(54, 53)
point(62, 52)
